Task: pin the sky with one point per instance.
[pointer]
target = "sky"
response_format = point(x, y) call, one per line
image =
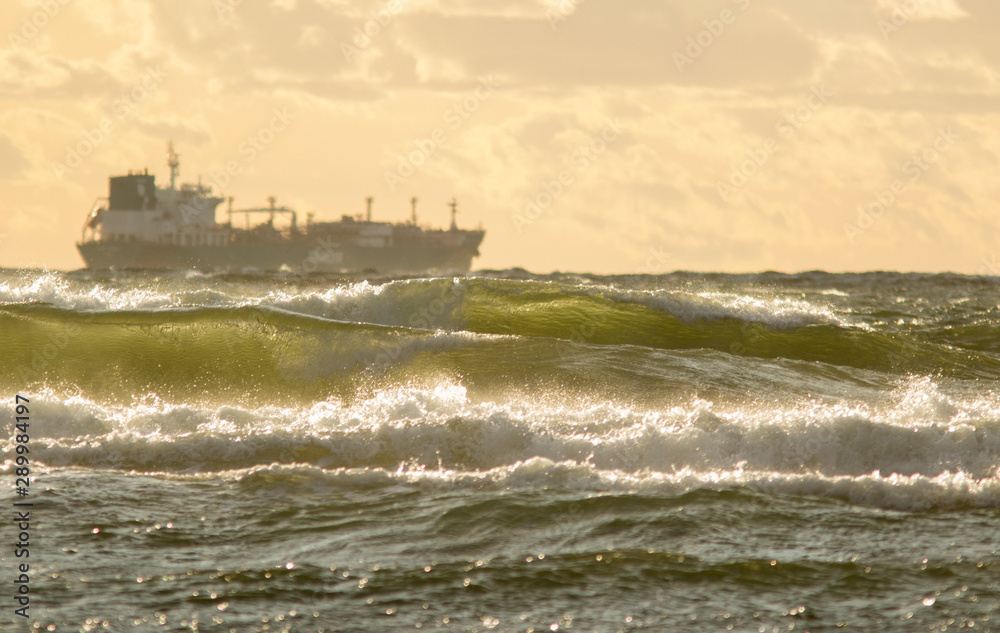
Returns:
point(606, 136)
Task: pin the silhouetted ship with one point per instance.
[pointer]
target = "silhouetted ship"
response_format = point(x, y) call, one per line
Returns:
point(142, 226)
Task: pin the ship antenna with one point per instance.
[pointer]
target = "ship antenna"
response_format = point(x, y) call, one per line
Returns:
point(174, 162)
point(454, 209)
point(369, 201)
point(413, 206)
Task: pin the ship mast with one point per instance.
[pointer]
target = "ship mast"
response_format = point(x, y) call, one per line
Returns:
point(369, 201)
point(454, 209)
point(174, 162)
point(413, 207)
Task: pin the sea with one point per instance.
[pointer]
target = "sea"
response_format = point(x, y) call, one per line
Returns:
point(500, 451)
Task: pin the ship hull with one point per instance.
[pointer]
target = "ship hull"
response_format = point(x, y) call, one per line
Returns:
point(299, 257)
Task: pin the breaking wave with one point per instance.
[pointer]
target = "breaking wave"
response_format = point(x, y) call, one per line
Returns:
point(919, 450)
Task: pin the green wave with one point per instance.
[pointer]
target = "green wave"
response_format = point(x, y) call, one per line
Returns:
point(980, 337)
point(600, 320)
point(199, 353)
point(265, 354)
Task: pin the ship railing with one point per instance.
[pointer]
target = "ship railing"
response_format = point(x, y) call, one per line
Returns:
point(293, 225)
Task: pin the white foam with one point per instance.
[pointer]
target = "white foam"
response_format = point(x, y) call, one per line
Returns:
point(773, 311)
point(422, 303)
point(918, 442)
point(56, 290)
point(895, 492)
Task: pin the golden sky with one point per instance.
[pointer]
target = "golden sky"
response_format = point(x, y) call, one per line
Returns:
point(584, 135)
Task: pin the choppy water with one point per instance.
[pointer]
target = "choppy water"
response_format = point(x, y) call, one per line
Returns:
point(507, 452)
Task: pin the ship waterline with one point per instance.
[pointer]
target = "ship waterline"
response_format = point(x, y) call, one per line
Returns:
point(304, 255)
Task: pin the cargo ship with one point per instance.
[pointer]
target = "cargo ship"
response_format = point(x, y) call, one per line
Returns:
point(140, 225)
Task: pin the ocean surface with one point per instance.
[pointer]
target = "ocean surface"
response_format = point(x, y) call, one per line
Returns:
point(504, 451)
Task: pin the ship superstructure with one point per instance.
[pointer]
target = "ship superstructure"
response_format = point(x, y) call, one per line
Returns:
point(140, 225)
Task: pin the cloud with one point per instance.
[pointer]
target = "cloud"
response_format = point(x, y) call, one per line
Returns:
point(24, 74)
point(370, 79)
